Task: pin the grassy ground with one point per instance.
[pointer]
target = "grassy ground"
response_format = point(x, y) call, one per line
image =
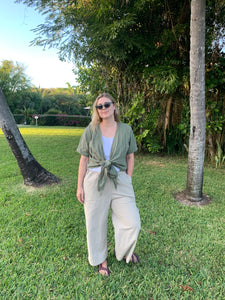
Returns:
point(43, 252)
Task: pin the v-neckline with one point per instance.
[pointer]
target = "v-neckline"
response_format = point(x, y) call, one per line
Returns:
point(113, 143)
point(114, 130)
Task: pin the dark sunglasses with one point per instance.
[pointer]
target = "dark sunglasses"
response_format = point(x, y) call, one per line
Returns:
point(106, 105)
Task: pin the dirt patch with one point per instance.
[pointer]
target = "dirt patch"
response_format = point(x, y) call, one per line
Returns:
point(155, 163)
point(31, 189)
point(181, 197)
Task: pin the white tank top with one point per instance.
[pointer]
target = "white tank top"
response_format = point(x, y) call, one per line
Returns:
point(107, 145)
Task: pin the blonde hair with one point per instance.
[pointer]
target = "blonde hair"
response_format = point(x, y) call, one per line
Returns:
point(95, 116)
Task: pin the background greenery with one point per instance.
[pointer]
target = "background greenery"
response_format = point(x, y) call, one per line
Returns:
point(137, 50)
point(26, 100)
point(43, 252)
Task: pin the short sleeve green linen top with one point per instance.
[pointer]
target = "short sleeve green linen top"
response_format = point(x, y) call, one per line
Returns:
point(91, 146)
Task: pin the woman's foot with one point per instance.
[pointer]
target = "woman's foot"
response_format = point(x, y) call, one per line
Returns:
point(134, 258)
point(103, 269)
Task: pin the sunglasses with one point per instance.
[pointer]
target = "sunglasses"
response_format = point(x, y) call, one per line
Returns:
point(106, 105)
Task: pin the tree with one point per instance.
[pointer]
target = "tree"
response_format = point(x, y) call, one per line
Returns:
point(137, 47)
point(13, 81)
point(122, 37)
point(33, 173)
point(196, 152)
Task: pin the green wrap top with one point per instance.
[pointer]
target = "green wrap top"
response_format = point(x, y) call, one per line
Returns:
point(91, 146)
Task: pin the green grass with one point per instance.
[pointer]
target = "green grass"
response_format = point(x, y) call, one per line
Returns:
point(43, 253)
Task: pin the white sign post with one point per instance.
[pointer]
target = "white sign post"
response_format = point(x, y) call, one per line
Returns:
point(36, 118)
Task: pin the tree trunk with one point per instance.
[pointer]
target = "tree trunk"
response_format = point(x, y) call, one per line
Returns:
point(196, 151)
point(33, 173)
point(167, 119)
point(211, 148)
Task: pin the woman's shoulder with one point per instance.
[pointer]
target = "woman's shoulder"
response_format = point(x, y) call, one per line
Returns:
point(91, 131)
point(89, 128)
point(88, 131)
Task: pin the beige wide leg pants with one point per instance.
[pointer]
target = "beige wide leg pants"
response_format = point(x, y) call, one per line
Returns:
point(124, 212)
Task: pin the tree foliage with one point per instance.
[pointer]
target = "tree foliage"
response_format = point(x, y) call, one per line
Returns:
point(27, 100)
point(138, 47)
point(13, 81)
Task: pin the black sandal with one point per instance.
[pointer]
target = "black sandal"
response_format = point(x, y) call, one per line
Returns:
point(101, 268)
point(134, 258)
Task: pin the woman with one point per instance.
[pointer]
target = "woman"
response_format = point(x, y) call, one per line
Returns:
point(107, 149)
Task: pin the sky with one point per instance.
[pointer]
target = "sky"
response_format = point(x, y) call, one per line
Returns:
point(43, 67)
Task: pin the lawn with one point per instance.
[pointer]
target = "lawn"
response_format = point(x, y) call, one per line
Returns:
point(43, 252)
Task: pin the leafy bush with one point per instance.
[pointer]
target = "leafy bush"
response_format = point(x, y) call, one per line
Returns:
point(63, 120)
point(143, 120)
point(220, 157)
point(19, 118)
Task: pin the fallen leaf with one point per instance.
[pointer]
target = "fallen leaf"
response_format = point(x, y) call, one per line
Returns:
point(187, 288)
point(20, 240)
point(27, 214)
point(152, 232)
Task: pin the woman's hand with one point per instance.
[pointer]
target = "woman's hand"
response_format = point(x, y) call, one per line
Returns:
point(130, 164)
point(80, 195)
point(81, 174)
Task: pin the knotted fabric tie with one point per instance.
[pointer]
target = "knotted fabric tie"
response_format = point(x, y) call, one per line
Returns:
point(107, 169)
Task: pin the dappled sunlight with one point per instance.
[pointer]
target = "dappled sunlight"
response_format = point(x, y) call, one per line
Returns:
point(36, 130)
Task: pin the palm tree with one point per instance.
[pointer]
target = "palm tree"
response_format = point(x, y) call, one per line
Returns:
point(33, 173)
point(27, 112)
point(196, 153)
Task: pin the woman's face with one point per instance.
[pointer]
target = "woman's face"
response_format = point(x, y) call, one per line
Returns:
point(106, 108)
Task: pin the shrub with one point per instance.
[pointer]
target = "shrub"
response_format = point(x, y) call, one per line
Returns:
point(63, 120)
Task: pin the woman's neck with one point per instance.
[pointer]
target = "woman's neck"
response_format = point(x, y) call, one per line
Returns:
point(108, 123)
point(108, 128)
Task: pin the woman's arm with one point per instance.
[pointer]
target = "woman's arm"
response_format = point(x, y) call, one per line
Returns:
point(130, 164)
point(81, 173)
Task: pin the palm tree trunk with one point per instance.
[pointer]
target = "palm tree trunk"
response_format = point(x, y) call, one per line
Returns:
point(196, 152)
point(33, 173)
